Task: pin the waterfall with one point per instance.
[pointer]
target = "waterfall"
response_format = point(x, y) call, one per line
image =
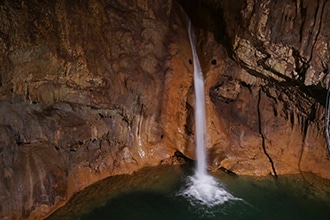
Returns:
point(202, 188)
point(326, 120)
point(200, 124)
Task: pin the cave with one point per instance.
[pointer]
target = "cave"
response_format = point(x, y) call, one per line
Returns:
point(91, 89)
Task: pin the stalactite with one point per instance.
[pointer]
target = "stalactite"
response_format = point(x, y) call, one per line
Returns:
point(292, 118)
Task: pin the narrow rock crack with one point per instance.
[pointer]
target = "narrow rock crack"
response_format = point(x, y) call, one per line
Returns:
point(263, 136)
point(317, 26)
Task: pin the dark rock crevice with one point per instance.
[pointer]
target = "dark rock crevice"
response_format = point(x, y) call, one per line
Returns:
point(210, 16)
point(318, 17)
point(263, 139)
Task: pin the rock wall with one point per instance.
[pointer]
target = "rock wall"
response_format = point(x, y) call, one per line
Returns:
point(95, 88)
point(266, 67)
point(88, 89)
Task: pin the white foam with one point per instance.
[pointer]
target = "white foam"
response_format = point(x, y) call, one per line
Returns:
point(205, 190)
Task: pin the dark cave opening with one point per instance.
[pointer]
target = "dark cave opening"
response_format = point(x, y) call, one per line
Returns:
point(209, 16)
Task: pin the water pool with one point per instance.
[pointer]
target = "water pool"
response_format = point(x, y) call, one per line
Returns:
point(154, 193)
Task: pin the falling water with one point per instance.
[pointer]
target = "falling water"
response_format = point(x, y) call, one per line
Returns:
point(202, 188)
point(199, 109)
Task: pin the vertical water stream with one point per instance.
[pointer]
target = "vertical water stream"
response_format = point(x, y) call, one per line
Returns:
point(200, 116)
point(202, 188)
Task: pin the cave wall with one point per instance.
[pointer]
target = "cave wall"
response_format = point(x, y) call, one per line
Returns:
point(268, 84)
point(88, 89)
point(95, 88)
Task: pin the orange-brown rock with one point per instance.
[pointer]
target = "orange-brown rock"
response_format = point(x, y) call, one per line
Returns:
point(95, 88)
point(268, 84)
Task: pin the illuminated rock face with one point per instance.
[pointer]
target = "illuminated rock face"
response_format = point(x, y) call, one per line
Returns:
point(100, 88)
point(267, 84)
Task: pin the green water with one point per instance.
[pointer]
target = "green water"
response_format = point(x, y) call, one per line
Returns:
point(153, 194)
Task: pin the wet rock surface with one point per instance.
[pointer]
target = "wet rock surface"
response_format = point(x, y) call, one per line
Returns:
point(268, 86)
point(92, 89)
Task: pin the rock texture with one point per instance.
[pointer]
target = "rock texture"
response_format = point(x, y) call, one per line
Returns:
point(83, 96)
point(268, 85)
point(95, 88)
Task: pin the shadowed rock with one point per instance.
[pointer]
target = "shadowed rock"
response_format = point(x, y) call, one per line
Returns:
point(91, 89)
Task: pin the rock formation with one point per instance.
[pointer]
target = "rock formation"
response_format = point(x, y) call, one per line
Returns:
point(95, 88)
point(268, 85)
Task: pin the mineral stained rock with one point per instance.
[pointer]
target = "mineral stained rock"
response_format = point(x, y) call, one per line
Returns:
point(267, 89)
point(96, 88)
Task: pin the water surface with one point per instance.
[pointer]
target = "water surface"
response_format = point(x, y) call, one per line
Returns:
point(154, 193)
